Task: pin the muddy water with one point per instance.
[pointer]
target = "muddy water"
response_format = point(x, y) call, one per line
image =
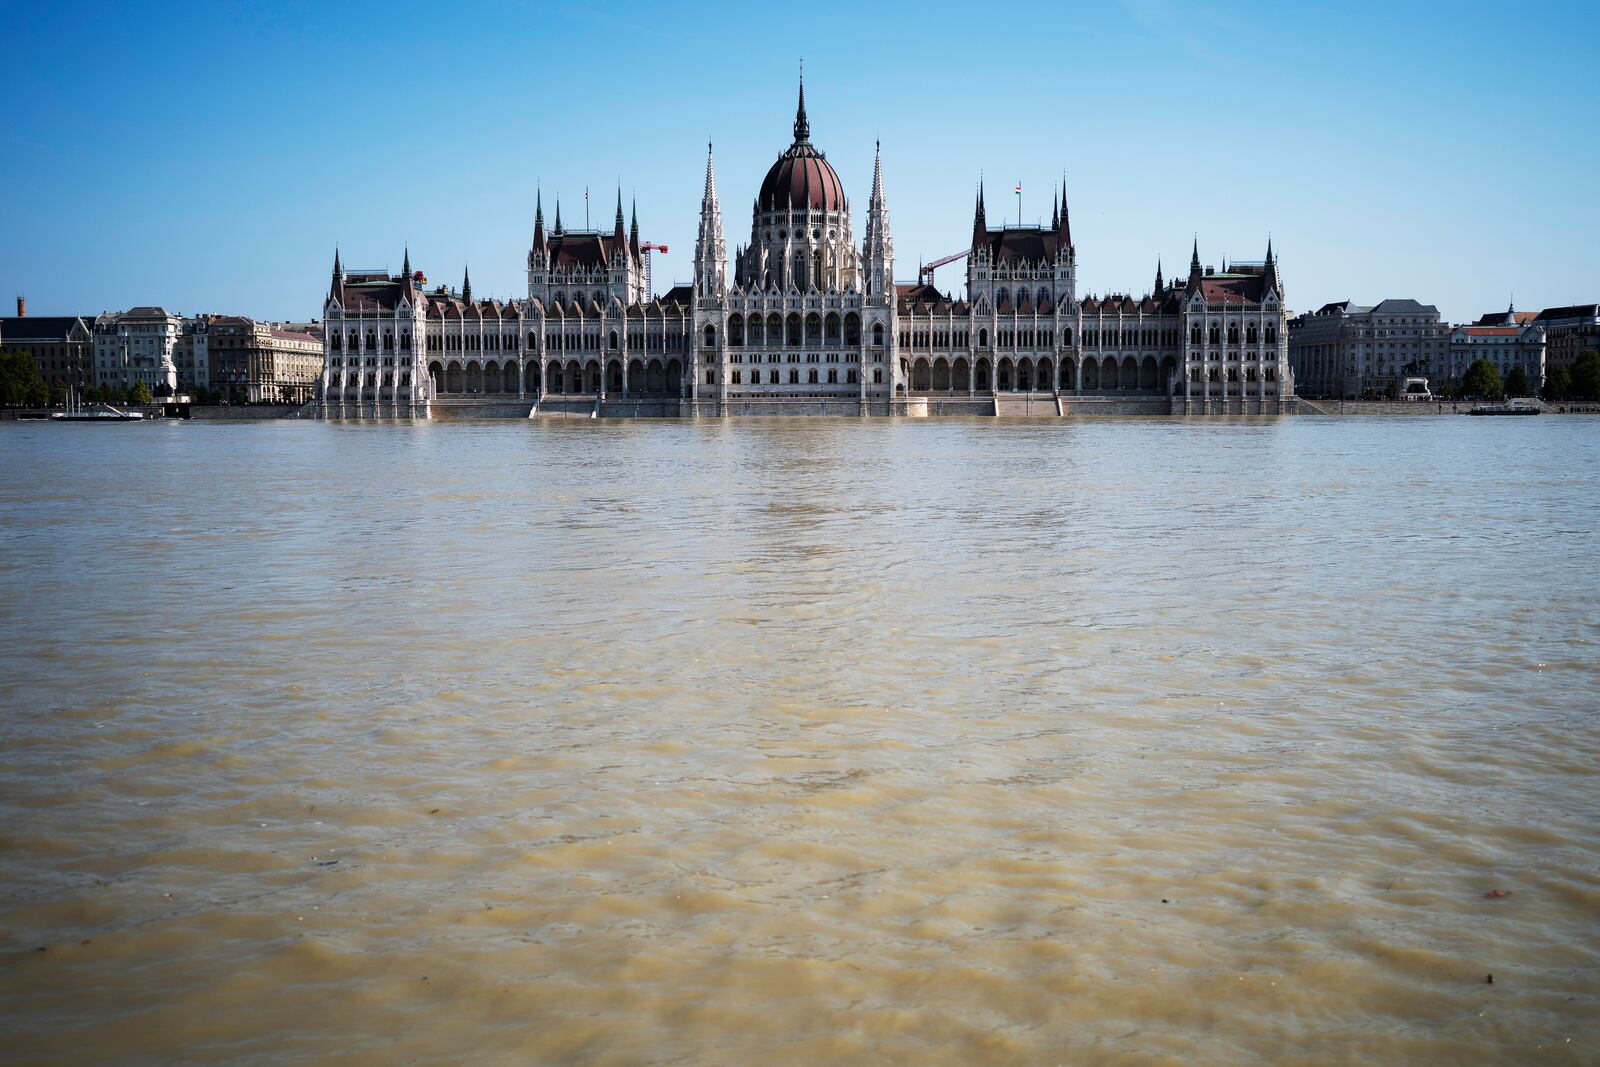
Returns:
point(798, 743)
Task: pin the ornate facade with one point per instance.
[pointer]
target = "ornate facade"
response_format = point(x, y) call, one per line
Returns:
point(803, 319)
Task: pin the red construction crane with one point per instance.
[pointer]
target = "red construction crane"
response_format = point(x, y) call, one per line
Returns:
point(647, 248)
point(925, 275)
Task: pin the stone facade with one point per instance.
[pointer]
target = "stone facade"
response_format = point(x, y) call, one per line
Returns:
point(138, 345)
point(1569, 332)
point(61, 346)
point(262, 362)
point(1355, 350)
point(1506, 342)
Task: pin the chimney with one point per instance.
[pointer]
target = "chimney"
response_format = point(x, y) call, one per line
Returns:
point(22, 307)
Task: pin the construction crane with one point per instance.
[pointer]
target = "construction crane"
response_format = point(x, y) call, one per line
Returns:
point(925, 275)
point(647, 248)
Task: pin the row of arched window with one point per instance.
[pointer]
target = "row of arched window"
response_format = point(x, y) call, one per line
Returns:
point(774, 329)
point(1213, 333)
point(337, 343)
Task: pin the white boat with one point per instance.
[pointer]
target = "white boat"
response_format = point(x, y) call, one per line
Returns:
point(95, 413)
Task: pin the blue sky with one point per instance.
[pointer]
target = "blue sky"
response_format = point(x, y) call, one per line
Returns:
point(208, 158)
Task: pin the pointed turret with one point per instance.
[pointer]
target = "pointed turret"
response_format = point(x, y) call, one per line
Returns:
point(618, 232)
point(802, 128)
point(466, 285)
point(1064, 228)
point(980, 225)
point(405, 266)
point(1194, 262)
point(558, 215)
point(338, 270)
point(710, 253)
point(1159, 285)
point(879, 246)
point(1055, 212)
point(1271, 271)
point(633, 231)
point(538, 221)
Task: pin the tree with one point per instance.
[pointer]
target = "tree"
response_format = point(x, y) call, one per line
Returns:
point(201, 395)
point(19, 380)
point(1586, 376)
point(1558, 384)
point(1517, 383)
point(139, 394)
point(1482, 380)
point(58, 395)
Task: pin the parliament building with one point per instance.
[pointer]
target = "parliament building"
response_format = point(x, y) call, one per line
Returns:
point(805, 319)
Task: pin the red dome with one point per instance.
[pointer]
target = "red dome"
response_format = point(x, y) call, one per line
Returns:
point(801, 180)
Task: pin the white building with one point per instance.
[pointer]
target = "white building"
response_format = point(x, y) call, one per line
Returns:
point(1355, 350)
point(803, 319)
point(1506, 342)
point(137, 345)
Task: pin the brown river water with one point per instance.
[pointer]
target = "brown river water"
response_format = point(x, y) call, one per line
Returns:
point(801, 742)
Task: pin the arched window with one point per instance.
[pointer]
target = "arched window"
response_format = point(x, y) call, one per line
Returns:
point(1194, 334)
point(877, 375)
point(711, 336)
point(1233, 333)
point(1216, 334)
point(877, 333)
point(1272, 333)
point(755, 377)
point(983, 338)
point(1250, 334)
point(1002, 296)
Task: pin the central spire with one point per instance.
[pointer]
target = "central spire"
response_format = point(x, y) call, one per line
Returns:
point(802, 128)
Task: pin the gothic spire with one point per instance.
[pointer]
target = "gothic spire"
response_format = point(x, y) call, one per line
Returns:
point(466, 285)
point(1271, 271)
point(558, 215)
point(633, 230)
point(619, 228)
point(1055, 212)
point(538, 221)
point(980, 226)
point(710, 194)
point(802, 128)
point(1159, 285)
point(710, 253)
point(338, 271)
point(1064, 229)
point(877, 172)
point(879, 213)
point(405, 267)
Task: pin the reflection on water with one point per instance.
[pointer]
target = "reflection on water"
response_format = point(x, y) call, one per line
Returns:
point(800, 742)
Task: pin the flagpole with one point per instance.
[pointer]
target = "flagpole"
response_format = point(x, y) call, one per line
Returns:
point(586, 207)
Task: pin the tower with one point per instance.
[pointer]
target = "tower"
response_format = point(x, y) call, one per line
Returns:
point(879, 250)
point(710, 253)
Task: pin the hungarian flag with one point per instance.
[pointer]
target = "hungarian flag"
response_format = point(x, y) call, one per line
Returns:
point(1019, 187)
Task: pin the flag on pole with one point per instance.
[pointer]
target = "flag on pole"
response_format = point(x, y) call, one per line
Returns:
point(1019, 187)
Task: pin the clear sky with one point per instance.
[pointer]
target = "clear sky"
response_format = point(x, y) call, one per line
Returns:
point(209, 158)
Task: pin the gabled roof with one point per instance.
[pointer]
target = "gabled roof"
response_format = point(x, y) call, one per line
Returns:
point(41, 328)
point(1404, 307)
point(1019, 244)
point(1233, 288)
point(1572, 311)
